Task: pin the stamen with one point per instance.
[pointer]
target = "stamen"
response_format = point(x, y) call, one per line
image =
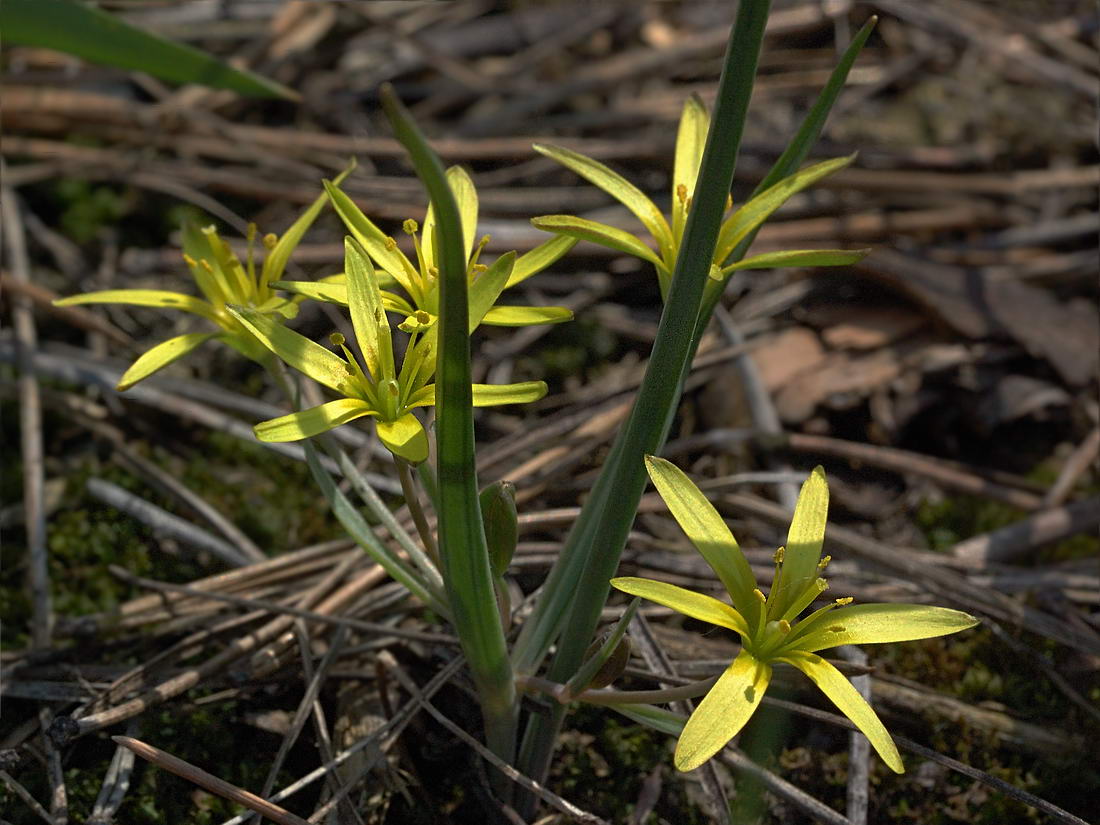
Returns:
point(784, 626)
point(410, 226)
point(777, 557)
point(187, 259)
point(479, 268)
point(337, 339)
point(821, 565)
point(205, 264)
point(845, 600)
point(390, 243)
point(682, 194)
point(270, 241)
point(760, 597)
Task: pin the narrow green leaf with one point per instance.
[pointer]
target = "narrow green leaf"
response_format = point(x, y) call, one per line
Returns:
point(600, 233)
point(619, 188)
point(708, 532)
point(723, 711)
point(311, 422)
point(368, 317)
point(804, 540)
point(143, 298)
point(463, 552)
point(878, 623)
point(696, 605)
point(798, 257)
point(277, 258)
point(405, 438)
point(161, 356)
point(540, 258)
point(304, 355)
point(516, 316)
point(847, 699)
point(582, 679)
point(87, 32)
point(750, 216)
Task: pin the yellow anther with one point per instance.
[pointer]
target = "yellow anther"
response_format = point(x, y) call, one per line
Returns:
point(270, 240)
point(205, 264)
point(390, 244)
point(479, 267)
point(778, 556)
point(845, 600)
point(682, 193)
point(187, 259)
point(729, 202)
point(784, 626)
point(760, 597)
point(410, 226)
point(433, 271)
point(484, 240)
point(822, 585)
point(835, 628)
point(337, 339)
point(821, 565)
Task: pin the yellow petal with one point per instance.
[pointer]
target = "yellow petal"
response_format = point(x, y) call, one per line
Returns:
point(516, 316)
point(878, 623)
point(298, 351)
point(405, 438)
point(804, 541)
point(161, 356)
point(696, 605)
point(602, 234)
point(539, 258)
point(723, 711)
point(708, 532)
point(847, 699)
point(143, 298)
point(313, 421)
point(368, 317)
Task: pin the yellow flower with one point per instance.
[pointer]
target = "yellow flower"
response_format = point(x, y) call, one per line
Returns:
point(375, 388)
point(223, 281)
point(668, 234)
point(420, 281)
point(769, 626)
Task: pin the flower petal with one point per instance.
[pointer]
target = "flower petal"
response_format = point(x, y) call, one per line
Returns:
point(847, 699)
point(368, 318)
point(798, 257)
point(803, 551)
point(405, 438)
point(485, 290)
point(691, 138)
point(491, 395)
point(745, 220)
point(161, 356)
point(619, 188)
point(277, 258)
point(298, 351)
point(313, 421)
point(143, 298)
point(723, 711)
point(600, 233)
point(373, 239)
point(539, 258)
point(516, 316)
point(877, 623)
point(708, 532)
point(696, 605)
point(466, 199)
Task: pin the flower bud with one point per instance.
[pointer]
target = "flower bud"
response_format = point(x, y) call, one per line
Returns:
point(498, 513)
point(613, 668)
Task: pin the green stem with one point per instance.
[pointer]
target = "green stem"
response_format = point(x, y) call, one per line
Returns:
point(412, 500)
point(562, 695)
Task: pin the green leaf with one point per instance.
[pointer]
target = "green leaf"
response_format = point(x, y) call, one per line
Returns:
point(373, 239)
point(539, 258)
point(804, 540)
point(311, 422)
point(723, 711)
point(878, 623)
point(161, 356)
point(600, 233)
point(277, 258)
point(405, 438)
point(708, 532)
point(143, 298)
point(463, 553)
point(619, 188)
point(749, 217)
point(696, 605)
point(847, 699)
point(797, 257)
point(87, 32)
point(304, 355)
point(492, 395)
point(368, 317)
point(516, 316)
